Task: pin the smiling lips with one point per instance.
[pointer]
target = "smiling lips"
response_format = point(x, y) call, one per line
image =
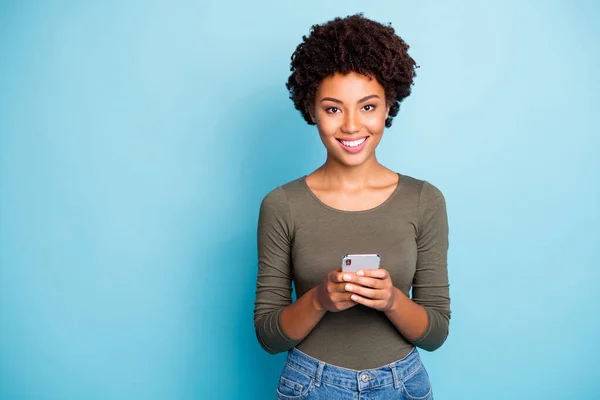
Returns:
point(353, 146)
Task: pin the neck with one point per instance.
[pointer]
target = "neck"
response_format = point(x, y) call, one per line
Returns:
point(349, 177)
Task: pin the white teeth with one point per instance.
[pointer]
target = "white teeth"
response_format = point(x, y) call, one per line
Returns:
point(354, 143)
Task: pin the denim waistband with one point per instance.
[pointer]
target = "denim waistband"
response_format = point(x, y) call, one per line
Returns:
point(320, 371)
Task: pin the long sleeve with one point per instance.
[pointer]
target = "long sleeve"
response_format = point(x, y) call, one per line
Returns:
point(430, 283)
point(274, 279)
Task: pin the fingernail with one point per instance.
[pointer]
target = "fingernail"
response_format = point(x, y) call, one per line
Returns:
point(360, 272)
point(347, 277)
point(349, 287)
point(353, 297)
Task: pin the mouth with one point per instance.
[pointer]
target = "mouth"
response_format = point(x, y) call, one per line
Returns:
point(354, 145)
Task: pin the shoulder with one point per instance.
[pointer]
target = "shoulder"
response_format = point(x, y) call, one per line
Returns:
point(419, 187)
point(279, 198)
point(425, 193)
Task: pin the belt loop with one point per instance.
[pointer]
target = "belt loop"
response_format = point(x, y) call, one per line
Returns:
point(319, 373)
point(395, 375)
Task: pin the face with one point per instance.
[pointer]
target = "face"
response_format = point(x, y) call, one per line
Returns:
point(350, 113)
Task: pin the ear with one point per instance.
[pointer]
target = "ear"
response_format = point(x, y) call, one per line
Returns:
point(387, 112)
point(312, 116)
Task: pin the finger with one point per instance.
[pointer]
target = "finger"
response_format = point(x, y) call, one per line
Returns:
point(336, 276)
point(336, 288)
point(369, 282)
point(365, 292)
point(377, 304)
point(348, 276)
point(343, 297)
point(379, 273)
point(344, 305)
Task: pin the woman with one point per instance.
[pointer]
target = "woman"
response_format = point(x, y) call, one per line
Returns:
point(350, 335)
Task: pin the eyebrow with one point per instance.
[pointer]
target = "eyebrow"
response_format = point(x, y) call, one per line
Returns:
point(371, 96)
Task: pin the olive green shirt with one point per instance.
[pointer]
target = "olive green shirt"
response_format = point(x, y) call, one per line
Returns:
point(301, 240)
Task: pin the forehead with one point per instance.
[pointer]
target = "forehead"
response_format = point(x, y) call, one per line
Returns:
point(349, 87)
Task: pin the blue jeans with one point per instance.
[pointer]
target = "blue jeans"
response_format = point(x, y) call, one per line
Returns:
point(304, 377)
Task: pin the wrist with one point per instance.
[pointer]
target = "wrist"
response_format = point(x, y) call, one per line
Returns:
point(394, 303)
point(315, 301)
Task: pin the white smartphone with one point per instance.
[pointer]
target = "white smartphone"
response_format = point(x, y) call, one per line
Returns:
point(354, 262)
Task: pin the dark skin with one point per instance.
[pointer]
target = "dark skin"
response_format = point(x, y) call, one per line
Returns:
point(352, 108)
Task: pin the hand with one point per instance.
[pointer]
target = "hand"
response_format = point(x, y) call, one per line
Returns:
point(331, 295)
point(372, 288)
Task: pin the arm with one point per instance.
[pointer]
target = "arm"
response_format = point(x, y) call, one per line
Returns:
point(430, 287)
point(274, 279)
point(302, 316)
point(407, 316)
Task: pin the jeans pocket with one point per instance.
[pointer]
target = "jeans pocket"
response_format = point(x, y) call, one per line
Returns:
point(293, 384)
point(417, 386)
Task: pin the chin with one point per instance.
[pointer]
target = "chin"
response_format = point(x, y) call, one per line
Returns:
point(352, 160)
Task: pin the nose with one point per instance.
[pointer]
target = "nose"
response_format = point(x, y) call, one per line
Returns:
point(351, 123)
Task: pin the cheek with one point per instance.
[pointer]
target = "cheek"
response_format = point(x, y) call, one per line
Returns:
point(376, 124)
point(327, 126)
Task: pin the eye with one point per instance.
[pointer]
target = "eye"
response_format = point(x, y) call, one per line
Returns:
point(369, 107)
point(332, 110)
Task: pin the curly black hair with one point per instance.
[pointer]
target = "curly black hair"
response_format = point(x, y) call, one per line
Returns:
point(351, 44)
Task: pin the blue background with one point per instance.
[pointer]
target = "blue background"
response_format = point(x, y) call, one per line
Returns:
point(137, 140)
